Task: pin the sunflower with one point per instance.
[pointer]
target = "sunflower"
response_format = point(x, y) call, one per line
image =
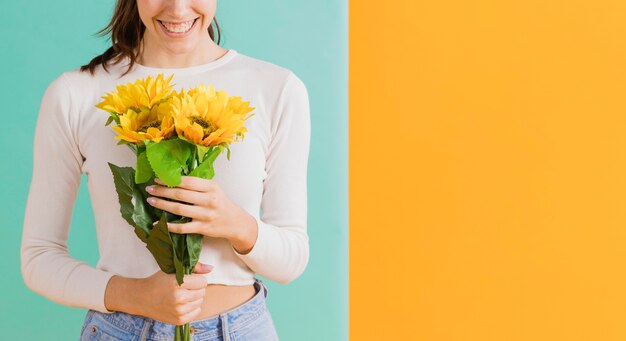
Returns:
point(207, 117)
point(143, 94)
point(154, 125)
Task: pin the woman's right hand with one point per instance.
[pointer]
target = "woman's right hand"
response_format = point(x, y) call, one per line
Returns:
point(161, 298)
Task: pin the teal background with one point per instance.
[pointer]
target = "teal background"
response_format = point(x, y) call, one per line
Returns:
point(39, 40)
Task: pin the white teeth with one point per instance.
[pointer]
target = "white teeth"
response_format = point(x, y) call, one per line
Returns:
point(178, 28)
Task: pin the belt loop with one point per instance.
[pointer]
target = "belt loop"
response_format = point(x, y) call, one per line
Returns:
point(225, 332)
point(147, 323)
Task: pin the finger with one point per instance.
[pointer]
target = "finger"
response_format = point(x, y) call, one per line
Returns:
point(181, 209)
point(194, 183)
point(202, 268)
point(194, 226)
point(194, 281)
point(191, 296)
point(176, 193)
point(196, 295)
point(192, 314)
point(187, 307)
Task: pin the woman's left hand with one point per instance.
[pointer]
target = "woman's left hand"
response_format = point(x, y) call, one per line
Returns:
point(213, 214)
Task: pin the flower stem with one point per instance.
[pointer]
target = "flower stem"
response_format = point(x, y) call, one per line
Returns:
point(194, 159)
point(178, 334)
point(186, 334)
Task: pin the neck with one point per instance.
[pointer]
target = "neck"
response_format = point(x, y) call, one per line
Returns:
point(153, 55)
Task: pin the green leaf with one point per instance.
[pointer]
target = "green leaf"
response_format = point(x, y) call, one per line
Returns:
point(161, 246)
point(202, 150)
point(154, 212)
point(140, 148)
point(168, 159)
point(132, 147)
point(194, 246)
point(133, 206)
point(113, 117)
point(213, 154)
point(205, 170)
point(228, 151)
point(144, 171)
point(142, 234)
point(181, 256)
point(178, 240)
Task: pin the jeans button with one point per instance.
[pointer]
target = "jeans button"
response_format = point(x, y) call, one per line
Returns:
point(93, 329)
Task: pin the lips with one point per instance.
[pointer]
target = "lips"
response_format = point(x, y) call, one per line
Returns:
point(178, 27)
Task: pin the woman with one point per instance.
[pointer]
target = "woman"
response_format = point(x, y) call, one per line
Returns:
point(126, 294)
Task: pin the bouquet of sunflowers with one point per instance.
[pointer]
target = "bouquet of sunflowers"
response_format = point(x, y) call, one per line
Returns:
point(173, 134)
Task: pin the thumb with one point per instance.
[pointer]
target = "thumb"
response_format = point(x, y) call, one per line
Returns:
point(202, 268)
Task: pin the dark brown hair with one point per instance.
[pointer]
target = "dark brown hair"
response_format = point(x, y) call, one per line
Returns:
point(126, 30)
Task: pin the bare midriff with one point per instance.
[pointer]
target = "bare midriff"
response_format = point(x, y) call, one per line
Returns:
point(220, 298)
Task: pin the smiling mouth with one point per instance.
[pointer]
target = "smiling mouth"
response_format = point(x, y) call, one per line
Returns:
point(181, 27)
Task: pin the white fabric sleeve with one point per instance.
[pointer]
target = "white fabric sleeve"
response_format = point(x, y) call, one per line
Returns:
point(46, 266)
point(281, 250)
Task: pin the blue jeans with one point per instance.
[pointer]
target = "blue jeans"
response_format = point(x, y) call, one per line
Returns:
point(250, 321)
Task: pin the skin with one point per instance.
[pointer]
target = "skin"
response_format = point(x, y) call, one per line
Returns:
point(213, 213)
point(162, 51)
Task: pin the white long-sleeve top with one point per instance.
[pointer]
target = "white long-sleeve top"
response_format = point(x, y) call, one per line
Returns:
point(267, 173)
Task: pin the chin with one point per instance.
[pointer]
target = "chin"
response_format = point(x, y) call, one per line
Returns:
point(181, 47)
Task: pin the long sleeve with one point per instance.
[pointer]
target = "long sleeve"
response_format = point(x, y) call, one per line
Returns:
point(281, 251)
point(46, 266)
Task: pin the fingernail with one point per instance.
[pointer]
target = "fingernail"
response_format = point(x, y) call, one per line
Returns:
point(151, 201)
point(157, 180)
point(150, 189)
point(207, 266)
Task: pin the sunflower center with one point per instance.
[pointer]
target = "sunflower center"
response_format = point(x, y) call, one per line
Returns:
point(153, 124)
point(207, 126)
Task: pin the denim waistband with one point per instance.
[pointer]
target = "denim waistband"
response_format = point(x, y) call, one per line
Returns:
point(220, 324)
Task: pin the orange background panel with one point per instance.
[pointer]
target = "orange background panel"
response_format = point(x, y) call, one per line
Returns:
point(487, 170)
